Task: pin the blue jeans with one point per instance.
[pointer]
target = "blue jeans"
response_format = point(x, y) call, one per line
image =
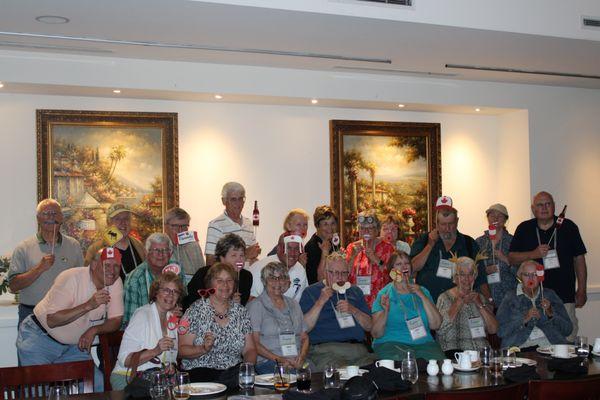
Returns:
point(265, 367)
point(35, 347)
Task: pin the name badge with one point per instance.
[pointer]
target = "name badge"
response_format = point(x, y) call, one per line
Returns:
point(364, 283)
point(551, 260)
point(287, 341)
point(444, 269)
point(536, 334)
point(416, 328)
point(494, 277)
point(187, 237)
point(344, 320)
point(476, 327)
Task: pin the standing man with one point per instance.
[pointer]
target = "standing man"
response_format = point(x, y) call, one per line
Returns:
point(558, 245)
point(37, 261)
point(233, 196)
point(187, 252)
point(81, 304)
point(431, 253)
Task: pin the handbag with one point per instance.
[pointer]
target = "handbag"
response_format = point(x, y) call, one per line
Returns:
point(138, 383)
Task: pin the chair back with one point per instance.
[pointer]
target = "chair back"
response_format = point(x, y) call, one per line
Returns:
point(508, 392)
point(580, 389)
point(34, 380)
point(109, 347)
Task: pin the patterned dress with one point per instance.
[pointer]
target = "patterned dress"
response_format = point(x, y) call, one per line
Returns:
point(229, 339)
point(362, 266)
point(456, 334)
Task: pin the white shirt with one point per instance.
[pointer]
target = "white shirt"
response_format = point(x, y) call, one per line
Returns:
point(297, 273)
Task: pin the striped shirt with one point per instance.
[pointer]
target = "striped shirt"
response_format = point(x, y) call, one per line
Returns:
point(222, 225)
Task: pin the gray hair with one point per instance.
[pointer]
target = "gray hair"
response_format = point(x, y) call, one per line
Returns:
point(230, 187)
point(524, 264)
point(464, 262)
point(158, 238)
point(273, 268)
point(44, 203)
point(176, 213)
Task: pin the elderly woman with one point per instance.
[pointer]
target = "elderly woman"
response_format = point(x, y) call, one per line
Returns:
point(390, 229)
point(466, 316)
point(220, 334)
point(403, 315)
point(150, 332)
point(296, 221)
point(368, 256)
point(277, 322)
point(530, 317)
point(501, 276)
point(230, 249)
point(320, 245)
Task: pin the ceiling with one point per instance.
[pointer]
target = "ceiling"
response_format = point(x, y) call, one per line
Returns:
point(195, 31)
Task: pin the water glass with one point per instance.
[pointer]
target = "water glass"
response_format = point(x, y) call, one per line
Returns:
point(58, 392)
point(484, 356)
point(581, 346)
point(509, 359)
point(331, 377)
point(410, 371)
point(181, 387)
point(281, 378)
point(496, 361)
point(159, 393)
point(303, 379)
point(246, 376)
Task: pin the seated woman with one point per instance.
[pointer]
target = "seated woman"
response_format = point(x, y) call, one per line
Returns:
point(149, 330)
point(403, 315)
point(277, 321)
point(220, 334)
point(530, 317)
point(230, 250)
point(466, 318)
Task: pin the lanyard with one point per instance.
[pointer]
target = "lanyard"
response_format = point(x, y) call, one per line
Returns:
point(405, 308)
point(149, 280)
point(555, 234)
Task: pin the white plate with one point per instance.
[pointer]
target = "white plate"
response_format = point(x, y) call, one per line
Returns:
point(344, 373)
point(526, 361)
point(456, 367)
point(267, 379)
point(206, 388)
point(565, 358)
point(596, 353)
point(550, 349)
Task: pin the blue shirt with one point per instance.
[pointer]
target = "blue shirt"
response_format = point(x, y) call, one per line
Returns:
point(326, 328)
point(402, 308)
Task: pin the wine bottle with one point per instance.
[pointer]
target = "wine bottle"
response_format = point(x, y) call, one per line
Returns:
point(561, 217)
point(255, 214)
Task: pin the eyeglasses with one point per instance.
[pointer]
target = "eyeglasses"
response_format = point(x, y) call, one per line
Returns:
point(160, 252)
point(338, 273)
point(465, 275)
point(274, 278)
point(529, 275)
point(49, 213)
point(179, 226)
point(167, 291)
point(236, 199)
point(363, 220)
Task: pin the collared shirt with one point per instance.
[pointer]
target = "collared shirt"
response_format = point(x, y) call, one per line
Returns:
point(189, 256)
point(28, 254)
point(222, 225)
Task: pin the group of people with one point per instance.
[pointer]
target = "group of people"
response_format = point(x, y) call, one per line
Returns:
point(309, 302)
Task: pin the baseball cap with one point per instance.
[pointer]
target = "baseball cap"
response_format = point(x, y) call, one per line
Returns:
point(117, 208)
point(497, 207)
point(444, 203)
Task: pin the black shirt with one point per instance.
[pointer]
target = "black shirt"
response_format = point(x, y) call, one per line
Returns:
point(127, 259)
point(313, 256)
point(568, 246)
point(197, 282)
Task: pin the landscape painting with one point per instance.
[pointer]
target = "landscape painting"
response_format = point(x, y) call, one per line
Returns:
point(88, 160)
point(391, 167)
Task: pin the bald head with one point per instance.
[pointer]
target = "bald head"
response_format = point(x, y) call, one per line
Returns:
point(542, 207)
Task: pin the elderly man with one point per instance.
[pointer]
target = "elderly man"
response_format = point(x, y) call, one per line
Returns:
point(187, 253)
point(233, 196)
point(82, 303)
point(558, 245)
point(137, 285)
point(431, 253)
point(37, 261)
point(337, 316)
point(289, 248)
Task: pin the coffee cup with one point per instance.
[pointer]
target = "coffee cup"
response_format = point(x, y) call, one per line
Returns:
point(351, 370)
point(463, 360)
point(561, 351)
point(389, 364)
point(474, 355)
point(596, 348)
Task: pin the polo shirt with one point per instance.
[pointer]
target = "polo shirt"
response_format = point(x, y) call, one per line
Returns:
point(427, 275)
point(27, 254)
point(568, 246)
point(326, 328)
point(222, 225)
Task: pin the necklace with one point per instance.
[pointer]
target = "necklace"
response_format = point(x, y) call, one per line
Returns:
point(221, 316)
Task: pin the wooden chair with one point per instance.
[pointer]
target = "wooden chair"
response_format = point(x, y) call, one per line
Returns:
point(109, 347)
point(580, 389)
point(32, 381)
point(509, 392)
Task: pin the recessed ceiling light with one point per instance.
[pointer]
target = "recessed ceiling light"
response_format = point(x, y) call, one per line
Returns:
point(478, 109)
point(117, 91)
point(401, 105)
point(52, 19)
point(314, 101)
point(1, 85)
point(218, 96)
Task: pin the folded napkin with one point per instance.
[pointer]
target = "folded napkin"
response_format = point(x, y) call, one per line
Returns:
point(568, 368)
point(388, 380)
point(323, 394)
point(521, 374)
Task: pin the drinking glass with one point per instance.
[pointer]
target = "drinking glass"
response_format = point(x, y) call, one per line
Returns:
point(496, 361)
point(484, 356)
point(331, 377)
point(181, 387)
point(303, 379)
point(58, 392)
point(159, 392)
point(509, 359)
point(246, 376)
point(410, 371)
point(581, 346)
point(281, 378)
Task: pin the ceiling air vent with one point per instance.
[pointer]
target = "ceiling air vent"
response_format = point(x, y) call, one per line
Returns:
point(591, 22)
point(407, 3)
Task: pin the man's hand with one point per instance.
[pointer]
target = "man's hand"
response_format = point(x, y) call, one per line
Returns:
point(100, 297)
point(433, 237)
point(533, 313)
point(46, 262)
point(502, 257)
point(253, 251)
point(86, 340)
point(345, 307)
point(580, 298)
point(490, 269)
point(542, 250)
point(325, 295)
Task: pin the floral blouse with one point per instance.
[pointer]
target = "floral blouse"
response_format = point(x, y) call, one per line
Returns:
point(362, 266)
point(229, 339)
point(508, 274)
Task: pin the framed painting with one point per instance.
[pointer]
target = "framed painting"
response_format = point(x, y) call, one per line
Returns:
point(391, 167)
point(87, 160)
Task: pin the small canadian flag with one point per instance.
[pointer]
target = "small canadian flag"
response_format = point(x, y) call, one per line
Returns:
point(110, 252)
point(492, 231)
point(539, 271)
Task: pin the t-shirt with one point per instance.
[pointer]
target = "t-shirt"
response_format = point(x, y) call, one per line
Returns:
point(326, 328)
point(402, 308)
point(297, 274)
point(568, 246)
point(222, 225)
point(72, 288)
point(67, 254)
point(463, 246)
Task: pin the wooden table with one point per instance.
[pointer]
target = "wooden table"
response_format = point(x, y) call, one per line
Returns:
point(425, 384)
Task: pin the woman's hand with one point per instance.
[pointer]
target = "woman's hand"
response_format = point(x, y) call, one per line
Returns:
point(209, 341)
point(547, 306)
point(164, 344)
point(177, 311)
point(415, 289)
point(303, 259)
point(531, 314)
point(385, 302)
point(325, 246)
point(237, 297)
point(490, 269)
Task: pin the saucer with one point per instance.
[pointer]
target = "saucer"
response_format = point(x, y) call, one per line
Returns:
point(565, 358)
point(457, 368)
